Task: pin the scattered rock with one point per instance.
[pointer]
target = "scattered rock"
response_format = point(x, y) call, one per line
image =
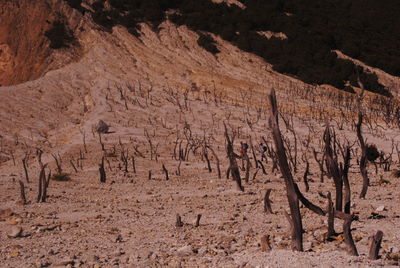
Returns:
point(307, 246)
point(65, 262)
point(102, 127)
point(184, 251)
point(5, 214)
point(380, 208)
point(394, 250)
point(16, 231)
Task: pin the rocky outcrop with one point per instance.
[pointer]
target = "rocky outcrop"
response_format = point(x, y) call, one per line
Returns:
point(25, 52)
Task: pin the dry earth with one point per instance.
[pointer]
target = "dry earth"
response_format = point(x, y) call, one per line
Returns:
point(129, 221)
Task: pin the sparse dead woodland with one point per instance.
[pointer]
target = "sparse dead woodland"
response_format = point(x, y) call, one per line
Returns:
point(165, 150)
point(152, 152)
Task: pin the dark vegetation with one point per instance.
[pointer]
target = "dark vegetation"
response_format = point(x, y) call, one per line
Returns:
point(363, 29)
point(59, 35)
point(208, 43)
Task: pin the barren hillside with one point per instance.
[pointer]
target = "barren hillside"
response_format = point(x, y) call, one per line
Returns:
point(167, 101)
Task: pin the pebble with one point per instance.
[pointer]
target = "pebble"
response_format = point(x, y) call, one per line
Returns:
point(380, 208)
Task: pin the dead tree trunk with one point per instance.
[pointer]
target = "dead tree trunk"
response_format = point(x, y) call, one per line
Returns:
point(363, 159)
point(233, 166)
point(207, 160)
point(165, 172)
point(253, 152)
point(43, 183)
point(331, 219)
point(265, 244)
point(267, 202)
point(345, 178)
point(24, 160)
point(305, 177)
point(22, 192)
point(333, 168)
point(295, 219)
point(375, 245)
point(216, 160)
point(102, 171)
point(348, 238)
point(197, 223)
point(178, 222)
point(247, 158)
point(320, 165)
point(262, 167)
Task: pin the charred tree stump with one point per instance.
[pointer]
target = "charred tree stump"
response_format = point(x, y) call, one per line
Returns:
point(265, 245)
point(43, 184)
point(24, 164)
point(178, 222)
point(331, 219)
point(305, 177)
point(348, 238)
point(333, 168)
point(208, 161)
point(233, 166)
point(247, 158)
point(228, 172)
point(375, 245)
point(22, 192)
point(197, 223)
point(165, 171)
point(345, 177)
point(267, 202)
point(102, 171)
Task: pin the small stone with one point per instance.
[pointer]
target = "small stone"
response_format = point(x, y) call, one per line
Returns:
point(118, 253)
point(14, 254)
point(118, 239)
point(65, 262)
point(307, 246)
point(184, 251)
point(16, 231)
point(394, 250)
point(202, 250)
point(380, 208)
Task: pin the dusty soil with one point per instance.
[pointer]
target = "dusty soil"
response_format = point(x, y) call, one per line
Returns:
point(137, 87)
